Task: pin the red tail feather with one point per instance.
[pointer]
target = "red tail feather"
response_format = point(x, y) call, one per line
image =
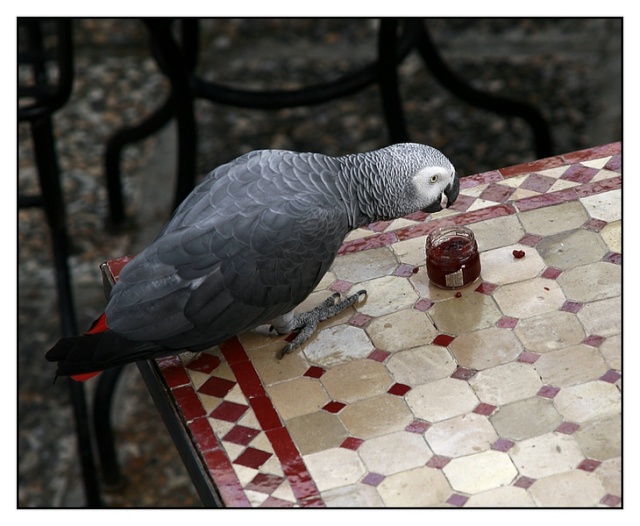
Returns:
point(99, 325)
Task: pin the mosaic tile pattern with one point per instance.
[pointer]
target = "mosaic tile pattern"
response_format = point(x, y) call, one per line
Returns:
point(507, 394)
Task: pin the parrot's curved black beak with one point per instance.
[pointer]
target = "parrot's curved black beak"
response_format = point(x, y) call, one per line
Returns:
point(451, 191)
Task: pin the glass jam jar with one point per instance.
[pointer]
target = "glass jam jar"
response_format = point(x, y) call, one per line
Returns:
point(453, 260)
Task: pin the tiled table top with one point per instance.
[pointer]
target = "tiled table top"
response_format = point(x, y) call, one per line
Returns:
point(507, 394)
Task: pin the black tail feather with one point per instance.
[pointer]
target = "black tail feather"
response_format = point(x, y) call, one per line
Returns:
point(96, 352)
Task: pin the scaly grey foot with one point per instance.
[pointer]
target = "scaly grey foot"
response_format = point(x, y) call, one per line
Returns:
point(306, 323)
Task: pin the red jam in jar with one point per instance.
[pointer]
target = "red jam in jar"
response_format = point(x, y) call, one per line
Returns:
point(453, 260)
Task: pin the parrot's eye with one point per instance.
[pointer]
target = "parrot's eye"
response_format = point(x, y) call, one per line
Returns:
point(433, 179)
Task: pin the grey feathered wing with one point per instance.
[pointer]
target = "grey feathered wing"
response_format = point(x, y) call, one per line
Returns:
point(249, 244)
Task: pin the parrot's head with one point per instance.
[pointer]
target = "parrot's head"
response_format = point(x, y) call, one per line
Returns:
point(413, 177)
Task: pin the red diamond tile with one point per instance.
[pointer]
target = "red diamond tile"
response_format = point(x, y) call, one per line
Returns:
point(352, 443)
point(613, 257)
point(462, 374)
point(579, 173)
point(438, 462)
point(594, 224)
point(252, 458)
point(379, 226)
point(314, 372)
point(538, 183)
point(497, 192)
point(484, 409)
point(486, 288)
point(589, 464)
point(548, 391)
point(218, 387)
point(614, 164)
point(571, 306)
point(423, 305)
point(531, 240)
point(420, 216)
point(551, 273)
point(611, 500)
point(360, 320)
point(528, 357)
point(378, 355)
point(611, 376)
point(399, 389)
point(417, 426)
point(457, 500)
point(443, 340)
point(265, 483)
point(404, 271)
point(567, 428)
point(502, 444)
point(524, 482)
point(507, 322)
point(462, 203)
point(241, 435)
point(340, 286)
point(373, 479)
point(593, 340)
point(228, 411)
point(334, 407)
point(205, 363)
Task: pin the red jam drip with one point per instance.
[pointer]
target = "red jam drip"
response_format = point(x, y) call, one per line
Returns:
point(453, 262)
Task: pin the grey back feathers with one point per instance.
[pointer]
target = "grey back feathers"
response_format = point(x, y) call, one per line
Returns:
point(255, 237)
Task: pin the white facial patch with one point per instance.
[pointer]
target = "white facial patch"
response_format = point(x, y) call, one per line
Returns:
point(431, 181)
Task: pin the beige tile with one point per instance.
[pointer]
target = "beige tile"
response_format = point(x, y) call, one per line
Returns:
point(606, 206)
point(421, 365)
point(353, 496)
point(296, 397)
point(612, 236)
point(499, 266)
point(526, 418)
point(502, 497)
point(441, 399)
point(385, 295)
point(575, 488)
point(603, 318)
point(470, 312)
point(550, 331)
point(497, 232)
point(506, 383)
point(376, 416)
point(480, 472)
point(546, 455)
point(365, 265)
point(461, 435)
point(570, 366)
point(529, 298)
point(485, 348)
point(356, 380)
point(572, 249)
point(337, 344)
point(550, 220)
point(592, 282)
point(334, 468)
point(411, 252)
point(359, 233)
point(611, 350)
point(316, 431)
point(610, 475)
point(601, 439)
point(400, 330)
point(424, 287)
point(395, 452)
point(417, 487)
point(273, 370)
point(590, 401)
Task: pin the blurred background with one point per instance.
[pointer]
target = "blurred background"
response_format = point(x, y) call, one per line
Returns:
point(569, 69)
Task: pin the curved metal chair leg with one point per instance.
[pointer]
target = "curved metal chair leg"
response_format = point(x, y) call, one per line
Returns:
point(112, 478)
point(501, 105)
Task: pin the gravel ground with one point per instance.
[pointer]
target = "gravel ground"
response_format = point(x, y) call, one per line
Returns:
point(570, 69)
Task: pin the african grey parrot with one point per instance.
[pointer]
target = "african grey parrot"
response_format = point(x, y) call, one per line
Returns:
point(249, 244)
